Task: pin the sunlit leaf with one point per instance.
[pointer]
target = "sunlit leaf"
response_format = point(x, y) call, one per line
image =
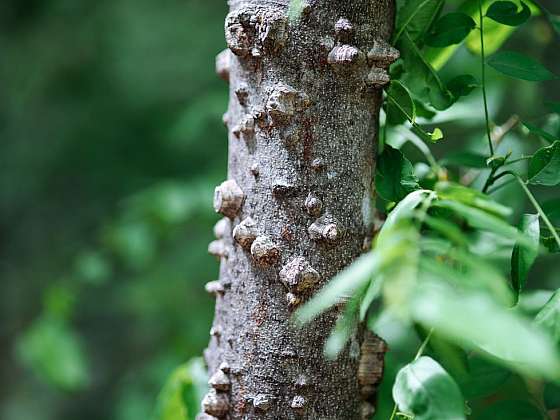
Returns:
point(480, 219)
point(524, 255)
point(544, 166)
point(344, 328)
point(506, 13)
point(549, 317)
point(341, 286)
point(450, 29)
point(473, 319)
point(180, 397)
point(425, 391)
point(519, 66)
point(474, 198)
point(405, 208)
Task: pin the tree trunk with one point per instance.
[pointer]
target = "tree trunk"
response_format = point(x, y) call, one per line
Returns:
point(302, 119)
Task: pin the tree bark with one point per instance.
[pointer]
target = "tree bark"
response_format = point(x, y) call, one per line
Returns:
point(302, 119)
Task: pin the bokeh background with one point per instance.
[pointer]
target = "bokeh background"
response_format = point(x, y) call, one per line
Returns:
point(111, 143)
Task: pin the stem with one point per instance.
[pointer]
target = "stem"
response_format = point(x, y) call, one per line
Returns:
point(539, 209)
point(489, 181)
point(394, 412)
point(424, 344)
point(519, 159)
point(483, 65)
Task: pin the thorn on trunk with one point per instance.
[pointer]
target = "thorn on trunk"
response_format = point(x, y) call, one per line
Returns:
point(262, 402)
point(344, 30)
point(222, 228)
point(264, 251)
point(223, 64)
point(313, 205)
point(215, 404)
point(219, 381)
point(298, 276)
point(224, 367)
point(218, 249)
point(242, 93)
point(228, 198)
point(255, 169)
point(299, 402)
point(214, 288)
point(325, 229)
point(245, 232)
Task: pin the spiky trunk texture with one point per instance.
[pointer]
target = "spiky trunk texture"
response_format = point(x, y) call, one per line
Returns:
point(302, 119)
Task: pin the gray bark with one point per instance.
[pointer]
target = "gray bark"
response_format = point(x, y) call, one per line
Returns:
point(302, 119)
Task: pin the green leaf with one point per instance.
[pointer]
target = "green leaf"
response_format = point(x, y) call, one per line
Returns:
point(537, 131)
point(436, 135)
point(51, 349)
point(505, 12)
point(465, 159)
point(549, 317)
point(552, 209)
point(344, 328)
point(420, 76)
point(425, 391)
point(471, 197)
point(555, 22)
point(446, 228)
point(524, 255)
point(180, 397)
point(480, 219)
point(341, 286)
point(396, 241)
point(483, 378)
point(416, 17)
point(427, 137)
point(406, 207)
point(450, 29)
point(394, 175)
point(462, 85)
point(471, 318)
point(495, 34)
point(467, 272)
point(400, 106)
point(544, 166)
point(423, 111)
point(512, 409)
point(551, 396)
point(519, 66)
point(553, 106)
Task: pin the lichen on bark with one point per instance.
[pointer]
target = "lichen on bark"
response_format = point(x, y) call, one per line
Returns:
point(302, 122)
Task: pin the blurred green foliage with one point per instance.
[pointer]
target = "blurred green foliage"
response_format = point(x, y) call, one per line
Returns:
point(111, 143)
point(111, 135)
